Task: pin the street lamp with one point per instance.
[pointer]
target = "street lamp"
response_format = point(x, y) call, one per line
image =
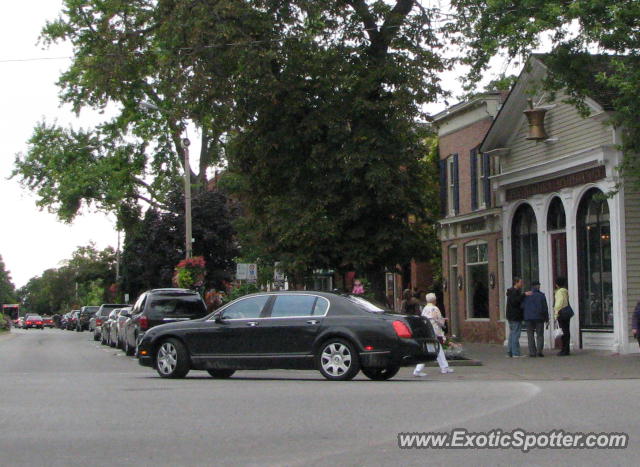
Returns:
point(188, 236)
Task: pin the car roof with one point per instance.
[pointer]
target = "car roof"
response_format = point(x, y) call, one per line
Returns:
point(174, 291)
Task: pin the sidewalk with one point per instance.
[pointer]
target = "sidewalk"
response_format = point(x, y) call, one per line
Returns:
point(581, 365)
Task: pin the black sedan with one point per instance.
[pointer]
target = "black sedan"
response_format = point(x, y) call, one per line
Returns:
point(338, 335)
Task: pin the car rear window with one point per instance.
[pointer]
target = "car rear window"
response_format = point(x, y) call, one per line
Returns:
point(365, 305)
point(176, 307)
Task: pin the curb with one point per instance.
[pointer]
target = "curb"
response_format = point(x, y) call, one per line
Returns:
point(466, 362)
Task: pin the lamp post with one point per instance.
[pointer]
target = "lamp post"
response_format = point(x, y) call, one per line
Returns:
point(188, 237)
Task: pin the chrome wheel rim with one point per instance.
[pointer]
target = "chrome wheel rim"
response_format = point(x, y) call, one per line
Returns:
point(167, 358)
point(336, 359)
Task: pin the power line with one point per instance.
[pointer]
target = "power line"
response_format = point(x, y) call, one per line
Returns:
point(34, 59)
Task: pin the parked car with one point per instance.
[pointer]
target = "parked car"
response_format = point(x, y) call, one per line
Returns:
point(86, 312)
point(47, 321)
point(101, 316)
point(72, 319)
point(160, 306)
point(105, 332)
point(339, 335)
point(33, 321)
point(123, 315)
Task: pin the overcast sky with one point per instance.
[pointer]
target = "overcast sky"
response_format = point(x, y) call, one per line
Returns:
point(32, 240)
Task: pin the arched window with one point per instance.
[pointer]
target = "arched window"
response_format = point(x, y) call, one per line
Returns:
point(594, 261)
point(524, 245)
point(556, 219)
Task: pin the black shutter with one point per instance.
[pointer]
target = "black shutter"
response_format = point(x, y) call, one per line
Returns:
point(456, 185)
point(443, 187)
point(487, 183)
point(474, 179)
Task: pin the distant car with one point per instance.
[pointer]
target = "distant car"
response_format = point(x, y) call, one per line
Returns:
point(72, 320)
point(33, 321)
point(86, 313)
point(160, 306)
point(107, 326)
point(101, 316)
point(338, 335)
point(47, 321)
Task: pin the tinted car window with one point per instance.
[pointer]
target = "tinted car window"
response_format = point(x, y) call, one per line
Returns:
point(246, 308)
point(176, 307)
point(293, 305)
point(321, 307)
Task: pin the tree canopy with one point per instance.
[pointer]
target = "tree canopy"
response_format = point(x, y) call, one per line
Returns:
point(87, 278)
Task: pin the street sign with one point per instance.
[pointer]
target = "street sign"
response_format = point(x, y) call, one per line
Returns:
point(252, 272)
point(242, 270)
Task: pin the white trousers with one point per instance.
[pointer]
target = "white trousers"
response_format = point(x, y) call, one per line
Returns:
point(442, 361)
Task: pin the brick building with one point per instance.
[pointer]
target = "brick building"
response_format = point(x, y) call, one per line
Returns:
point(470, 228)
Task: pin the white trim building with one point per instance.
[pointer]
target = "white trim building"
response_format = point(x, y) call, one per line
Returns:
point(555, 220)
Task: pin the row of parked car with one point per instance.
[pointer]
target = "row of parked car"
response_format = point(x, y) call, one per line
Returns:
point(122, 325)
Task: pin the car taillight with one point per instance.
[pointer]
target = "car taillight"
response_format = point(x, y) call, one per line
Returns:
point(98, 321)
point(144, 323)
point(38, 322)
point(402, 330)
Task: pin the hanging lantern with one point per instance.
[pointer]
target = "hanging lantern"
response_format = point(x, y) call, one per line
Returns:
point(536, 122)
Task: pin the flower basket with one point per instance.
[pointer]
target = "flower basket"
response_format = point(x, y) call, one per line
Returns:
point(189, 273)
point(453, 349)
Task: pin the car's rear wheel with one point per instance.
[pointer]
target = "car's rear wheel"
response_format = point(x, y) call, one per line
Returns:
point(337, 360)
point(128, 350)
point(172, 359)
point(221, 374)
point(381, 374)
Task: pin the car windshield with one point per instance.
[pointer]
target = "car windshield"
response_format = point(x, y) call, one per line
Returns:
point(366, 305)
point(35, 317)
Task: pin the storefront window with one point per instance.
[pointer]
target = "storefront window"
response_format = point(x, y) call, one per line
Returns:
point(524, 245)
point(594, 259)
point(477, 262)
point(556, 220)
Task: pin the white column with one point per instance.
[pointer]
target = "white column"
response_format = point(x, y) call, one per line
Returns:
point(569, 202)
point(544, 258)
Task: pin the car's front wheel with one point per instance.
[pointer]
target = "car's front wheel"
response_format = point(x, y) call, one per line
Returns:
point(221, 374)
point(337, 360)
point(381, 374)
point(172, 359)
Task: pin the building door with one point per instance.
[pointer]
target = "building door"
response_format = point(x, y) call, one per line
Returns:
point(559, 255)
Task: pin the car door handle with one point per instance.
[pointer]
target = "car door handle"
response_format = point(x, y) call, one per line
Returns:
point(252, 323)
point(312, 321)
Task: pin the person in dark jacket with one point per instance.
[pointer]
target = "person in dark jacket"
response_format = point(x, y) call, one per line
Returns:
point(636, 322)
point(536, 314)
point(514, 315)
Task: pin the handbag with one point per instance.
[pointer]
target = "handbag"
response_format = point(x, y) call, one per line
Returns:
point(557, 338)
point(566, 313)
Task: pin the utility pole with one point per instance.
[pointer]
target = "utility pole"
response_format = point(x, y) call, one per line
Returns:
point(187, 199)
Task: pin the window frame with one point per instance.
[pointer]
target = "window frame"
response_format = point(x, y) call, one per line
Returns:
point(468, 291)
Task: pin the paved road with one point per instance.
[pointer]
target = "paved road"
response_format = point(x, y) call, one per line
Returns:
point(67, 401)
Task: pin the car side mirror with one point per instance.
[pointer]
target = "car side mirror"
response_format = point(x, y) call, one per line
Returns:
point(219, 318)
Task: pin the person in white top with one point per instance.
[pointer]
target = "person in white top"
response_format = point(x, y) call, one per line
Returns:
point(432, 312)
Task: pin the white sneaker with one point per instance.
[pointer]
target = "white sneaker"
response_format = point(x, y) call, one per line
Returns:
point(446, 370)
point(419, 374)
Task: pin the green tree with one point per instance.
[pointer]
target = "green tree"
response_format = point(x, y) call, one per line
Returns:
point(574, 30)
point(328, 165)
point(7, 289)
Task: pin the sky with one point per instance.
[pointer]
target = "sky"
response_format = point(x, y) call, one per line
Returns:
point(33, 240)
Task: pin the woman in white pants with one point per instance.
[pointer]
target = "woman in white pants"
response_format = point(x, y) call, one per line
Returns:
point(432, 312)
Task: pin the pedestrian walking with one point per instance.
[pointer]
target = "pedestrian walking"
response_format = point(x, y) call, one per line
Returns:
point(432, 313)
point(410, 305)
point(563, 314)
point(515, 315)
point(635, 322)
point(536, 314)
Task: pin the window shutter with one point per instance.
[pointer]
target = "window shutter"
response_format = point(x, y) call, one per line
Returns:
point(487, 183)
point(443, 187)
point(474, 179)
point(456, 185)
